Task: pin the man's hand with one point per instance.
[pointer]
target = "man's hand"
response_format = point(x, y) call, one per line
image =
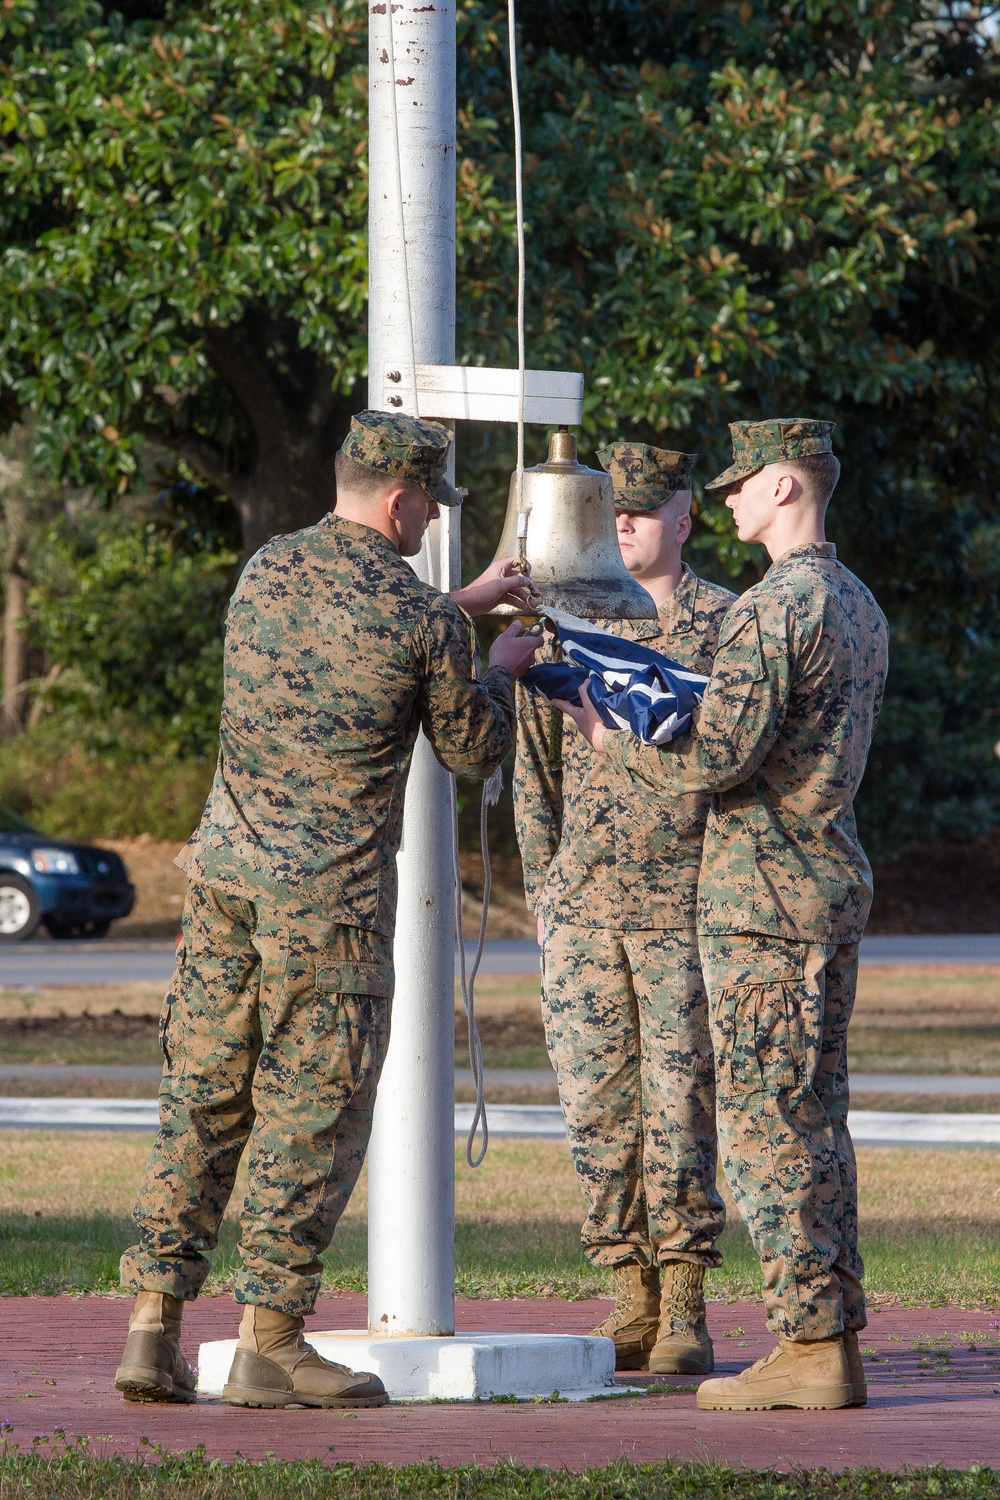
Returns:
point(514, 650)
point(495, 587)
point(586, 719)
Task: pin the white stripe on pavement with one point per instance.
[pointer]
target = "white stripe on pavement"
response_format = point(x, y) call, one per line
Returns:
point(539, 1121)
point(886, 1127)
point(80, 1114)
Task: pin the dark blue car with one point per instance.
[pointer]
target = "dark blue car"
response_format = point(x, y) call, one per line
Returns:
point(77, 890)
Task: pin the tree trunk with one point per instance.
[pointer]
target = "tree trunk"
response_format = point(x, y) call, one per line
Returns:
point(14, 655)
point(288, 422)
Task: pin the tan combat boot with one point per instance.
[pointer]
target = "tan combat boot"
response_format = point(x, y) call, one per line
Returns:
point(274, 1366)
point(813, 1377)
point(682, 1346)
point(859, 1385)
point(153, 1367)
point(633, 1319)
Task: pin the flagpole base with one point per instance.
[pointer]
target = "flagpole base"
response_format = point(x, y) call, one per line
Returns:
point(462, 1367)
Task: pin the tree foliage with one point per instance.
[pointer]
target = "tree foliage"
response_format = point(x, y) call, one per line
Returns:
point(129, 613)
point(184, 232)
point(735, 209)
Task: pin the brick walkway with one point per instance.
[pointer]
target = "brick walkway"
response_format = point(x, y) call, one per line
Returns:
point(932, 1398)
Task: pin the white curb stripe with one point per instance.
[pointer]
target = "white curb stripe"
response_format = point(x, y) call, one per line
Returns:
point(536, 1121)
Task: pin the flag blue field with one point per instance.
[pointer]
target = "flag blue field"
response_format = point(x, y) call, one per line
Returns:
point(631, 687)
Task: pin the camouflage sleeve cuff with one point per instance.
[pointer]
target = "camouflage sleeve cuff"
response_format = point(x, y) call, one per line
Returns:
point(498, 682)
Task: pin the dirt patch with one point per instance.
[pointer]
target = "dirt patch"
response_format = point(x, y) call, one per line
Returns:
point(159, 887)
point(941, 885)
point(508, 1032)
point(143, 998)
point(965, 995)
point(113, 1027)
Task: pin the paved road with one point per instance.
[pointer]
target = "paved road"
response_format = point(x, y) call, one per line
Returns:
point(39, 963)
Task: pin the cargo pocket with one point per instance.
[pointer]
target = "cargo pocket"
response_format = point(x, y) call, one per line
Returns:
point(350, 1030)
point(166, 1010)
point(356, 977)
point(757, 1013)
point(169, 1019)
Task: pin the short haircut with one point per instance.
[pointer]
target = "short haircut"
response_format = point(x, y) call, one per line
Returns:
point(818, 474)
point(358, 479)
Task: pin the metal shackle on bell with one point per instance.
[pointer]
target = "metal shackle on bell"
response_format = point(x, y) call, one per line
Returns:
point(567, 521)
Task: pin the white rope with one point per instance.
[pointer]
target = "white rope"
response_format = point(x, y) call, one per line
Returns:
point(372, 375)
point(515, 99)
point(467, 979)
point(493, 788)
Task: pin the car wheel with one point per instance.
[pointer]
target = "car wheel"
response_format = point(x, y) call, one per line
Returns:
point(19, 910)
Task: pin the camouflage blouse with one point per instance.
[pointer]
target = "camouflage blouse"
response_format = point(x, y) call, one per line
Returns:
point(597, 850)
point(336, 654)
point(781, 741)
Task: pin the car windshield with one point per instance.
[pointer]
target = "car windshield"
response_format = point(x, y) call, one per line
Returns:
point(11, 823)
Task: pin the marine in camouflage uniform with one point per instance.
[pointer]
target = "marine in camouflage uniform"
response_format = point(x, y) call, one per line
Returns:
point(276, 1024)
point(780, 743)
point(614, 874)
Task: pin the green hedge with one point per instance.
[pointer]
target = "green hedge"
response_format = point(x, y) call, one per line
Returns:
point(64, 792)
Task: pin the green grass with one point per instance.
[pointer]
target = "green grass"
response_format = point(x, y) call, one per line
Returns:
point(925, 1049)
point(74, 1472)
point(934, 1104)
point(507, 1057)
point(929, 1224)
point(40, 1047)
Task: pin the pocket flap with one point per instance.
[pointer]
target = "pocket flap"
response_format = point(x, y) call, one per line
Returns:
point(755, 959)
point(740, 654)
point(358, 978)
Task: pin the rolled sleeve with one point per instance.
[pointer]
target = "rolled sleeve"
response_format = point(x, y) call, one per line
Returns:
point(739, 719)
point(468, 720)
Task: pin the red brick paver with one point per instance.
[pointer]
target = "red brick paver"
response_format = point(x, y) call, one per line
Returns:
point(933, 1399)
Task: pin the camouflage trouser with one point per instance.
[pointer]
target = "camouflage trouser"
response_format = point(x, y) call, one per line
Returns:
point(780, 1011)
point(626, 1021)
point(274, 1032)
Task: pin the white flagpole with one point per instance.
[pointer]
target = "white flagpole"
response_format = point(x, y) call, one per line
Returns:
point(411, 1161)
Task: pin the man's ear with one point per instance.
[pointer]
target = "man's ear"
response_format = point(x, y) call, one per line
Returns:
point(787, 489)
point(392, 500)
point(683, 527)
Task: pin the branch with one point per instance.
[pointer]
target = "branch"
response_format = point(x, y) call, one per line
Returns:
point(202, 456)
point(233, 357)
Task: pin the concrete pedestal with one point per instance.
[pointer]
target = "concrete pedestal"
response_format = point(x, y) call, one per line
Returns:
point(463, 1367)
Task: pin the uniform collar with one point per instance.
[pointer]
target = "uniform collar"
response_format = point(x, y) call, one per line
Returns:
point(360, 535)
point(675, 615)
point(808, 549)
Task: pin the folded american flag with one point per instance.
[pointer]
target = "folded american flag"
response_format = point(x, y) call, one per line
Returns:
point(631, 686)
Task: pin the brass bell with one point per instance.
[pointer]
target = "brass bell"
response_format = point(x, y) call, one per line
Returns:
point(565, 528)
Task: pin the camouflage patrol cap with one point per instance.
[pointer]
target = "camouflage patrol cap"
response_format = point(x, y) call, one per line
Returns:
point(405, 448)
point(758, 443)
point(645, 478)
